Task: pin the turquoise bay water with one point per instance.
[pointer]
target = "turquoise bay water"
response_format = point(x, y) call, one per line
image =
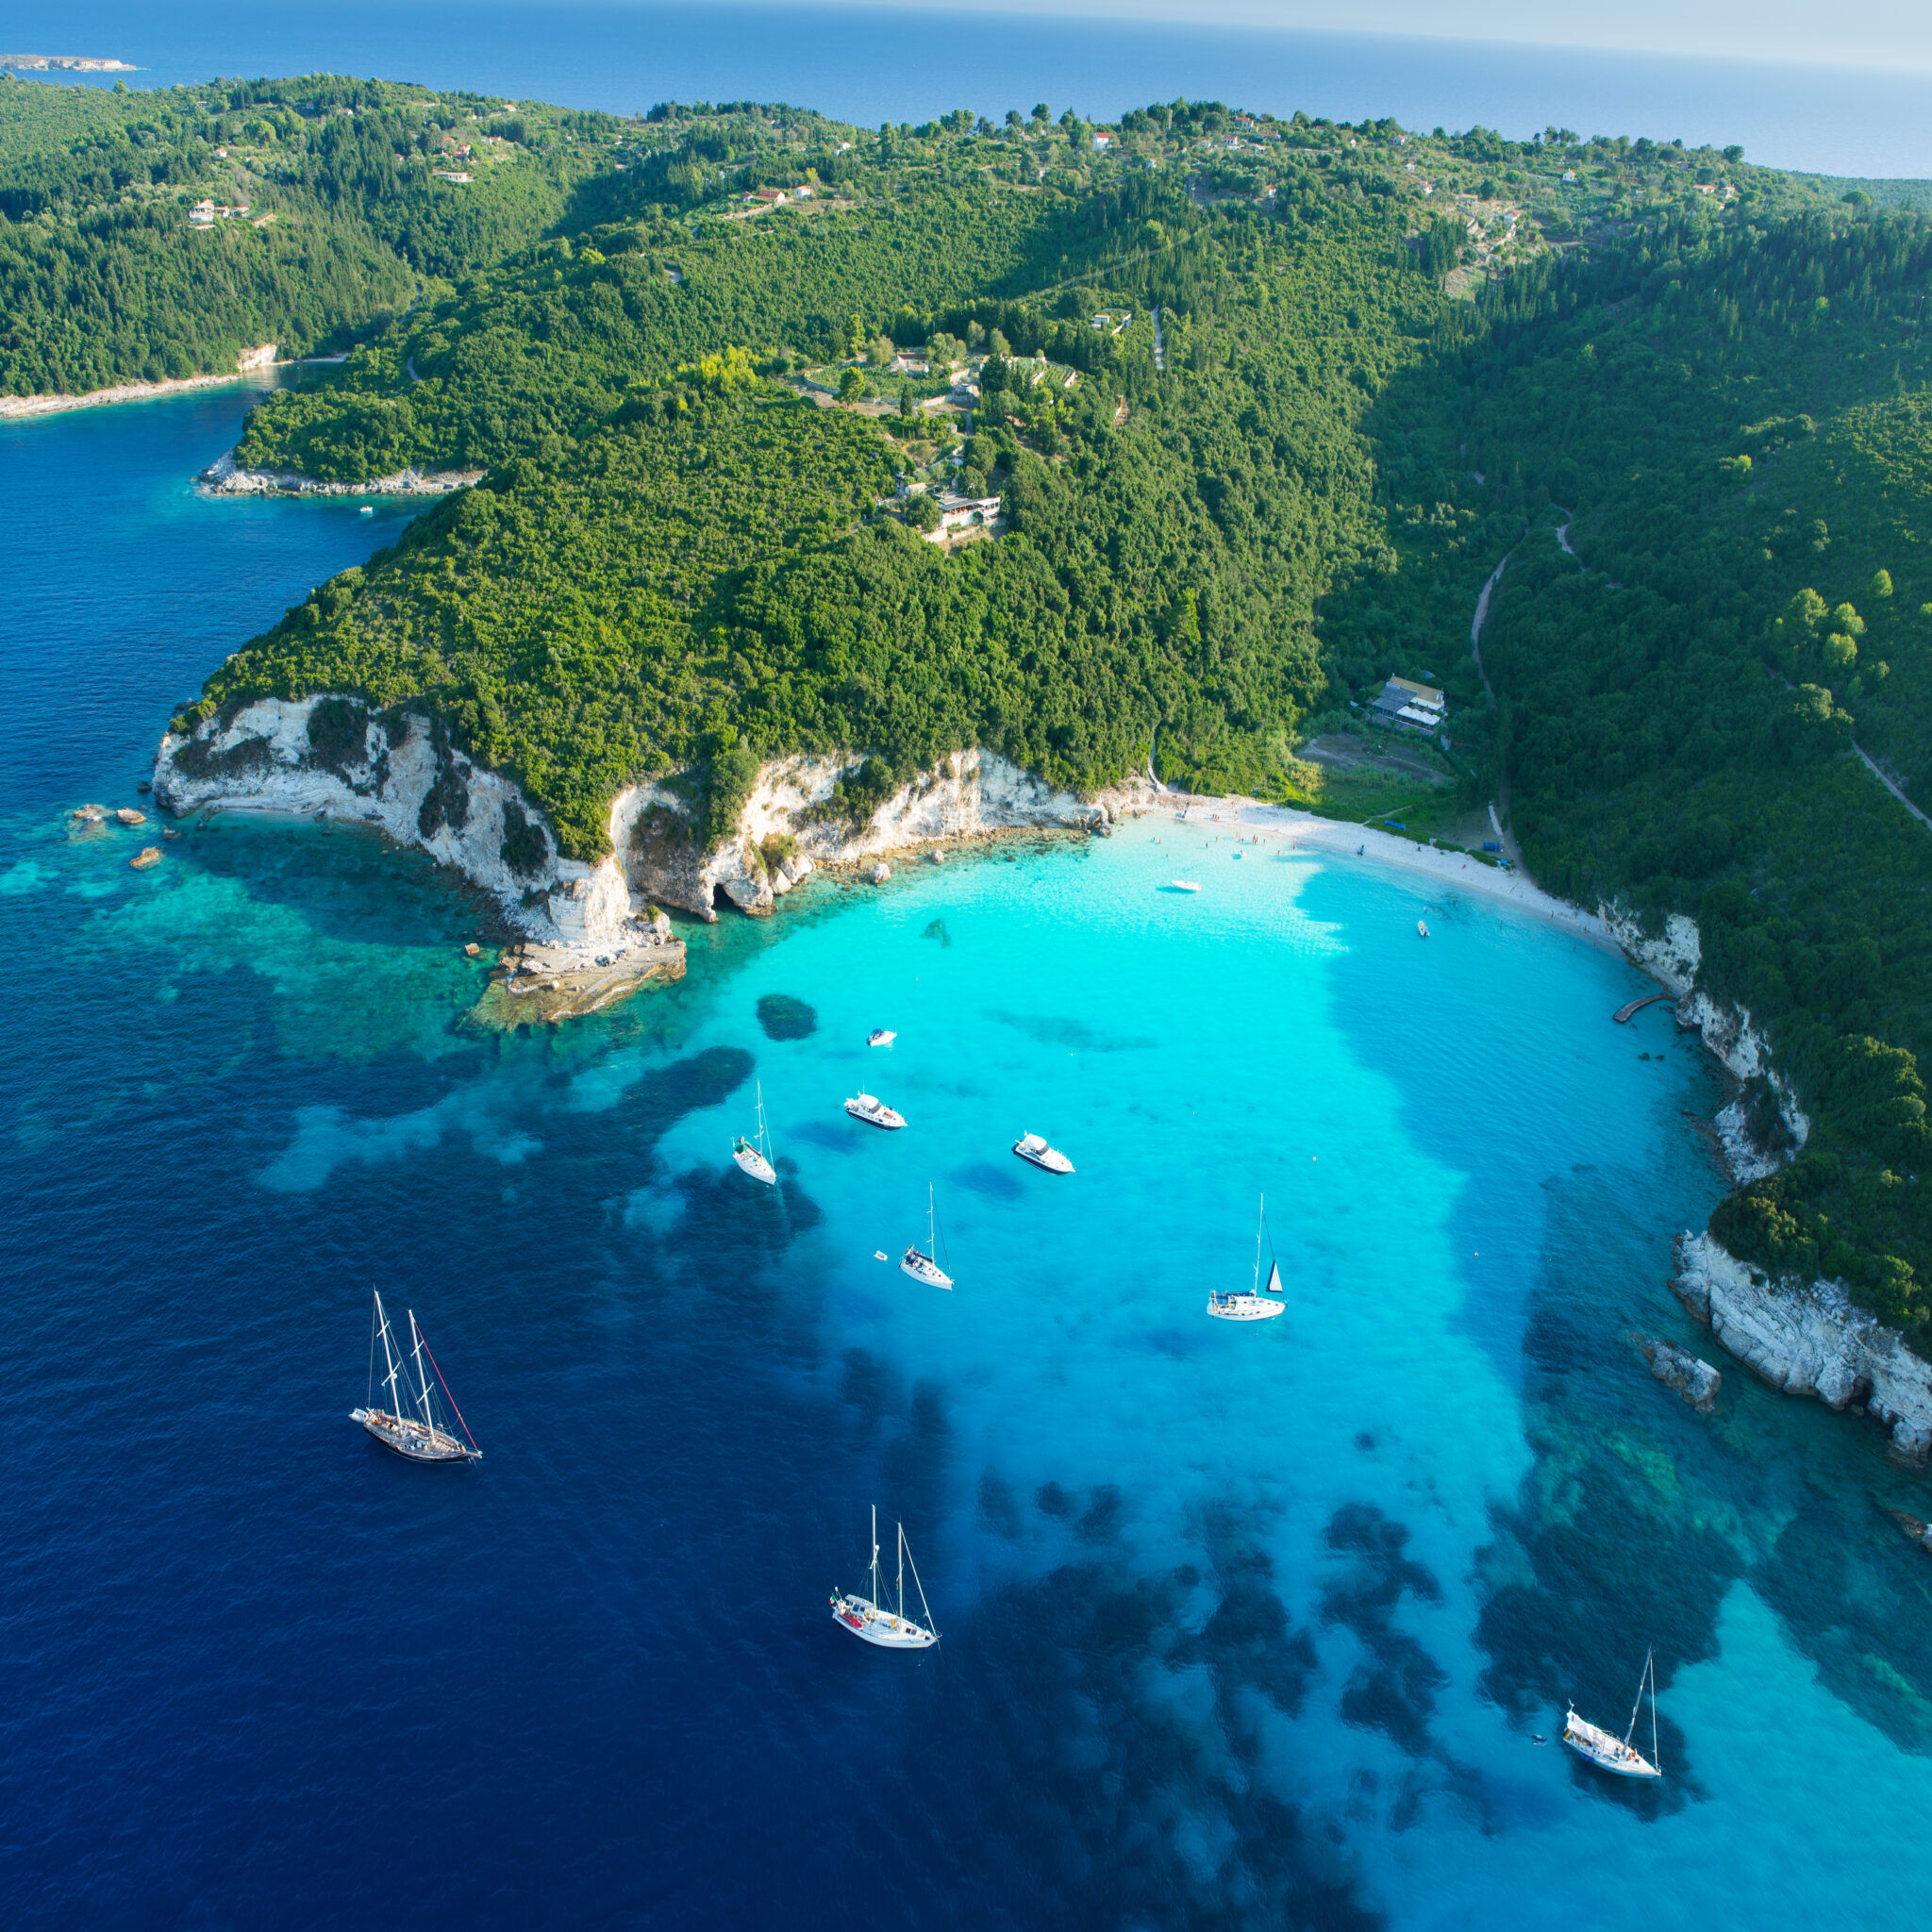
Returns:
point(1241, 1625)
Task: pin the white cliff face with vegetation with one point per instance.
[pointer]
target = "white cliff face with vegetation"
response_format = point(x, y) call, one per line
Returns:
point(1808, 1338)
point(790, 824)
point(331, 756)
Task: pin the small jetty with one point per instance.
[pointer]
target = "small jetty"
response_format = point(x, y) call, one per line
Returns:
point(1625, 1013)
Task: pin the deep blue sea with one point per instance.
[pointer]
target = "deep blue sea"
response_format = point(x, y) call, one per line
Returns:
point(878, 63)
point(1241, 1625)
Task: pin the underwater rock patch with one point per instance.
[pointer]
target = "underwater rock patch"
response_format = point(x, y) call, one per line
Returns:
point(783, 1017)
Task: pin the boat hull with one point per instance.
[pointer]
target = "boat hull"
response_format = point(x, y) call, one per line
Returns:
point(1049, 1159)
point(750, 1161)
point(871, 1625)
point(922, 1267)
point(412, 1443)
point(1243, 1308)
point(1606, 1753)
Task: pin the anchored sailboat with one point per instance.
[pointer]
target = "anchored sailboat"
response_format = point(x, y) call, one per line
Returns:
point(755, 1157)
point(918, 1262)
point(412, 1424)
point(1254, 1305)
point(1611, 1754)
point(867, 1618)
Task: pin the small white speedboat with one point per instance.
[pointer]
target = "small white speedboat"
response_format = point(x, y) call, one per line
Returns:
point(872, 1110)
point(880, 1036)
point(1422, 928)
point(868, 1618)
point(1033, 1148)
point(1608, 1752)
point(1185, 885)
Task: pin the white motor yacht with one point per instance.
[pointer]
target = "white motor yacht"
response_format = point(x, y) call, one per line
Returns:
point(1033, 1148)
point(867, 1617)
point(870, 1108)
point(880, 1036)
point(1185, 885)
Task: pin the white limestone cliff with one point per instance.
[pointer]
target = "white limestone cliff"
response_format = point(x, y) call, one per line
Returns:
point(402, 776)
point(969, 792)
point(1808, 1338)
point(399, 773)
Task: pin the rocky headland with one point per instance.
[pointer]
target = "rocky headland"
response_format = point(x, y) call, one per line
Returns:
point(592, 932)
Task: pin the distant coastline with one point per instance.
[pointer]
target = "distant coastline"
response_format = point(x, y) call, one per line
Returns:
point(68, 63)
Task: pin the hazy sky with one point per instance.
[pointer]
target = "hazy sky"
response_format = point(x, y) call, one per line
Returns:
point(1878, 33)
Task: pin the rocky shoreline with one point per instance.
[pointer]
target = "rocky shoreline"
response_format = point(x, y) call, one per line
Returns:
point(223, 479)
point(1810, 1339)
point(252, 365)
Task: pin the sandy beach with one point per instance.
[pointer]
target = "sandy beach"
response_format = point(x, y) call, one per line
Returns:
point(255, 365)
point(1304, 831)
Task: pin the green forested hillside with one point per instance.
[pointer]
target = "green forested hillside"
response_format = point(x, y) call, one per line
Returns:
point(1737, 422)
point(1265, 402)
point(337, 217)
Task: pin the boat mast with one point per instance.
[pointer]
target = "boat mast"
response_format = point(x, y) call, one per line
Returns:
point(902, 1572)
point(1262, 1216)
point(1646, 1678)
point(925, 1609)
point(428, 1414)
point(761, 1120)
point(388, 1356)
point(369, 1396)
point(875, 1555)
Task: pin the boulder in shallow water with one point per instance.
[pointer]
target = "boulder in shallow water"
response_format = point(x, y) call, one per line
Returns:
point(128, 816)
point(880, 872)
point(1695, 1380)
point(147, 856)
point(471, 950)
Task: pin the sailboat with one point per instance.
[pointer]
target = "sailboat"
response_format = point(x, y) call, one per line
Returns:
point(918, 1262)
point(1611, 1754)
point(867, 1618)
point(755, 1158)
point(1255, 1305)
point(412, 1424)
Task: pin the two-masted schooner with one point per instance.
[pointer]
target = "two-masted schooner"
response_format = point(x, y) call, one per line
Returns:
point(867, 1617)
point(412, 1424)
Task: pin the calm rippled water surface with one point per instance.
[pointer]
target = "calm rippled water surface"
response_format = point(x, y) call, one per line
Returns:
point(1241, 1626)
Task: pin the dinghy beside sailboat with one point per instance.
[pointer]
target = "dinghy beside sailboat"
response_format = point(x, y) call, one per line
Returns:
point(412, 1424)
